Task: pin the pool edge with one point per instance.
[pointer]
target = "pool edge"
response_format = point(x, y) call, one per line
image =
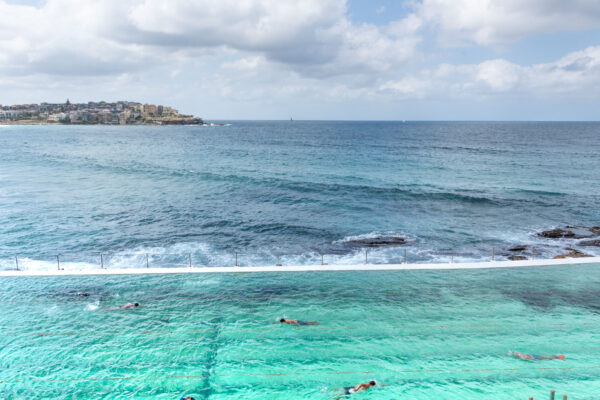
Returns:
point(305, 268)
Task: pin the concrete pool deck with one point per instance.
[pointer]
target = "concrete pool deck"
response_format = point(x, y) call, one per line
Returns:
point(303, 268)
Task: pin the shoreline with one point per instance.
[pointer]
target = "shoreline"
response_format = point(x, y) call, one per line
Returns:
point(75, 124)
point(304, 268)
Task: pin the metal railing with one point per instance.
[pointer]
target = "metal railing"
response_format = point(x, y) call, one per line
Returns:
point(149, 259)
point(552, 393)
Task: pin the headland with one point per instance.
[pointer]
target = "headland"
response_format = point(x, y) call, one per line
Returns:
point(95, 113)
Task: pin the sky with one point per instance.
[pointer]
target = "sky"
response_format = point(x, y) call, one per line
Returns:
point(309, 59)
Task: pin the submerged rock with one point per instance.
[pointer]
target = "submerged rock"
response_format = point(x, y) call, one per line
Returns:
point(572, 254)
point(590, 243)
point(378, 241)
point(521, 247)
point(514, 257)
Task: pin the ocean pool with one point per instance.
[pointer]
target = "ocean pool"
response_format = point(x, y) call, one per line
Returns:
point(423, 334)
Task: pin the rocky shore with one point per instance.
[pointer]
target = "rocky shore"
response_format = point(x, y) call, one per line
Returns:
point(569, 236)
point(586, 236)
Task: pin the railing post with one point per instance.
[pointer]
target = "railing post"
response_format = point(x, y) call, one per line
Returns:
point(17, 262)
point(101, 261)
point(552, 395)
point(236, 263)
point(58, 261)
point(190, 259)
point(533, 253)
point(278, 263)
point(404, 256)
point(322, 263)
point(366, 257)
point(493, 253)
point(147, 263)
point(452, 257)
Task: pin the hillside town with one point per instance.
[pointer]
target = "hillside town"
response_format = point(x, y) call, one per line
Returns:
point(117, 113)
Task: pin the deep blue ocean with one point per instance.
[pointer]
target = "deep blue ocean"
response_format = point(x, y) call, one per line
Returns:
point(289, 191)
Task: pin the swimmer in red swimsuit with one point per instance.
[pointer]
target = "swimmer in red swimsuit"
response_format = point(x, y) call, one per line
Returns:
point(297, 322)
point(125, 307)
point(355, 389)
point(535, 357)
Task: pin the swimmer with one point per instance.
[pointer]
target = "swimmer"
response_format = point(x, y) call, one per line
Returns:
point(83, 294)
point(534, 357)
point(297, 322)
point(125, 307)
point(355, 389)
point(187, 398)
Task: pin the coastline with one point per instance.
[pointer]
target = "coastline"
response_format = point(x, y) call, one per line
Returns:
point(304, 268)
point(35, 123)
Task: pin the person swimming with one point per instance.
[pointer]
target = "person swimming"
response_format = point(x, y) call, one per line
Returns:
point(355, 389)
point(187, 398)
point(535, 357)
point(83, 294)
point(125, 307)
point(298, 322)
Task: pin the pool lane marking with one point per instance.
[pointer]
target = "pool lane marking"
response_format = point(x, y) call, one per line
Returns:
point(322, 328)
point(441, 293)
point(203, 376)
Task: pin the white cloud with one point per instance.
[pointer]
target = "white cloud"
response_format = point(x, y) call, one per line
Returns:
point(410, 87)
point(77, 37)
point(576, 72)
point(499, 75)
point(278, 51)
point(487, 22)
point(246, 64)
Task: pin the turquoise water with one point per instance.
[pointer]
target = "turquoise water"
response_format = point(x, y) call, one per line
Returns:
point(423, 334)
point(291, 190)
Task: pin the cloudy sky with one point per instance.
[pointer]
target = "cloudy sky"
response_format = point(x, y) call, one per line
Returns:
point(310, 59)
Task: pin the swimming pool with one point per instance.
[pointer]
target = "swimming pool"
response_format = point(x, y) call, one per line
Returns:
point(424, 334)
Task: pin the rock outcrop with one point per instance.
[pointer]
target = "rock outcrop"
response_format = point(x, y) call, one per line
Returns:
point(571, 232)
point(557, 233)
point(595, 242)
point(521, 247)
point(378, 241)
point(572, 254)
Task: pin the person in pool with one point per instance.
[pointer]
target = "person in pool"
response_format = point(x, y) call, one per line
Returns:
point(125, 307)
point(297, 322)
point(355, 389)
point(83, 294)
point(187, 398)
point(534, 357)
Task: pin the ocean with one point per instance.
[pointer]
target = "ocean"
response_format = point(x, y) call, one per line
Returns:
point(289, 192)
point(260, 193)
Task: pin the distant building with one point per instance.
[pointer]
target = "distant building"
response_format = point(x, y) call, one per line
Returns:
point(149, 111)
point(102, 112)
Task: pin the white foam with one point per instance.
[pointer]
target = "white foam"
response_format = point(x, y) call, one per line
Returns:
point(306, 268)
